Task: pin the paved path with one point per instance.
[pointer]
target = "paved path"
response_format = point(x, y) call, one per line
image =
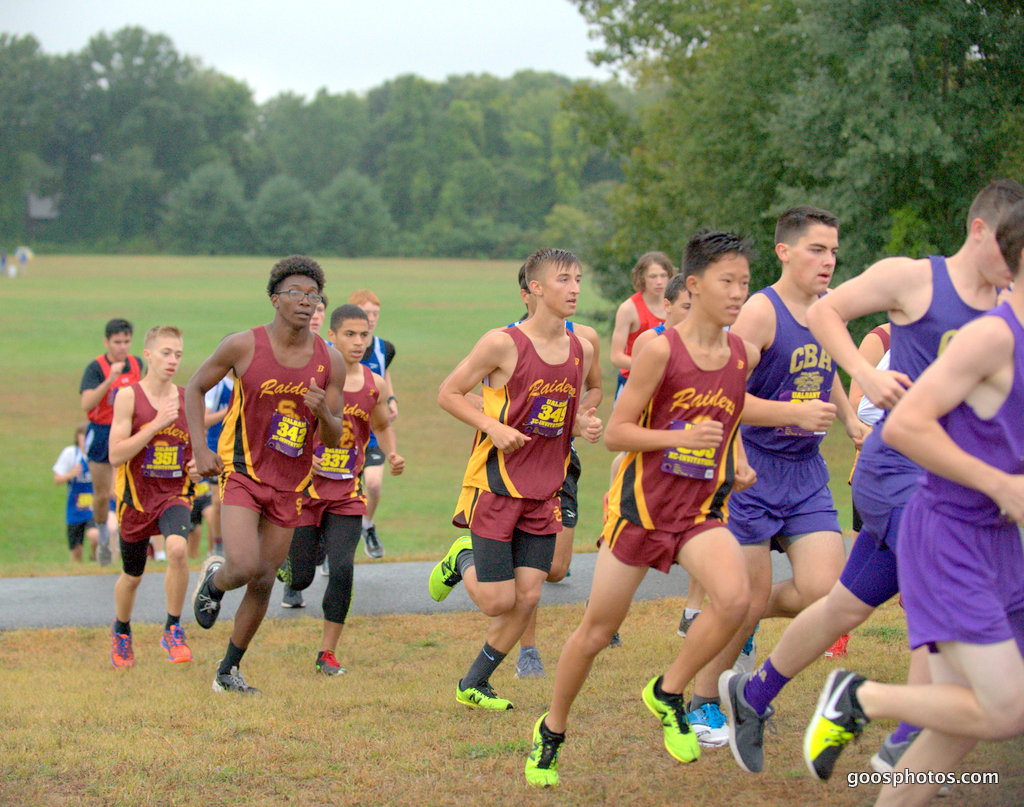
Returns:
point(379, 588)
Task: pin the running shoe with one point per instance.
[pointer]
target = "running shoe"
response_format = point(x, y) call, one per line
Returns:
point(745, 725)
point(327, 664)
point(836, 721)
point(284, 572)
point(746, 661)
point(371, 543)
point(680, 741)
point(232, 681)
point(838, 649)
point(445, 575)
point(121, 654)
point(710, 726)
point(481, 696)
point(542, 763)
point(529, 664)
point(204, 607)
point(174, 643)
point(292, 598)
point(889, 754)
point(685, 622)
point(325, 569)
point(616, 640)
point(103, 554)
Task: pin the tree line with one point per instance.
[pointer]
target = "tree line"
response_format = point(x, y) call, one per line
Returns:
point(144, 149)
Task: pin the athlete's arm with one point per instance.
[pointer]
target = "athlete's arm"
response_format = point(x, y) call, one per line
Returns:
point(592, 382)
point(872, 349)
point(328, 404)
point(624, 433)
point(883, 286)
point(856, 430)
point(390, 399)
point(91, 397)
point(380, 422)
point(494, 356)
point(627, 320)
point(586, 424)
point(234, 352)
point(976, 367)
point(745, 476)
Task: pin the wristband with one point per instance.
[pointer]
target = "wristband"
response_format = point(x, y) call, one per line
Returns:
point(391, 398)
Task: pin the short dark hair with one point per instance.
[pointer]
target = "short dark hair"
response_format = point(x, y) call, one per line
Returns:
point(531, 269)
point(1010, 236)
point(295, 265)
point(648, 259)
point(676, 285)
point(324, 301)
point(708, 246)
point(117, 326)
point(994, 200)
point(347, 311)
point(794, 222)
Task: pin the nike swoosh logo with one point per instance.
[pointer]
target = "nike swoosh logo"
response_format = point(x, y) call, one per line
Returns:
point(488, 655)
point(830, 712)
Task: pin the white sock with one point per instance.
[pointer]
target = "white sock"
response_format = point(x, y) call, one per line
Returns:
point(690, 613)
point(160, 556)
point(367, 522)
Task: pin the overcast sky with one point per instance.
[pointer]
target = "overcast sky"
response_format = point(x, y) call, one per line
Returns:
point(302, 45)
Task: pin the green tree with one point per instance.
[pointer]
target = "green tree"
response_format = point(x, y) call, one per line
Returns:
point(207, 214)
point(351, 217)
point(281, 217)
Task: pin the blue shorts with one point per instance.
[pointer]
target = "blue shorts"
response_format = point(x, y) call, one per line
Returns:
point(620, 382)
point(961, 582)
point(880, 491)
point(97, 443)
point(870, 570)
point(790, 498)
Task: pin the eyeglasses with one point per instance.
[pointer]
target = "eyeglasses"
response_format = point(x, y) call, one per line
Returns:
point(297, 294)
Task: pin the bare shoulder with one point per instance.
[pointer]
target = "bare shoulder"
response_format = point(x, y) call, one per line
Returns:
point(756, 321)
point(586, 333)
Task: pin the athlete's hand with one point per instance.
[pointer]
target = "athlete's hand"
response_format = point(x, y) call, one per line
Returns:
point(745, 475)
point(397, 463)
point(587, 426)
point(167, 413)
point(318, 463)
point(392, 409)
point(884, 388)
point(505, 438)
point(193, 474)
point(316, 399)
point(858, 432)
point(116, 369)
point(208, 463)
point(1010, 498)
point(814, 415)
point(705, 434)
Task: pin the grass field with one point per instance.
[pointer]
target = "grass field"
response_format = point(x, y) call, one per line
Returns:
point(389, 732)
point(433, 311)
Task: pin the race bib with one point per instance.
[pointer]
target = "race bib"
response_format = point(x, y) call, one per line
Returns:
point(547, 417)
point(806, 387)
point(693, 463)
point(337, 463)
point(287, 434)
point(83, 501)
point(163, 462)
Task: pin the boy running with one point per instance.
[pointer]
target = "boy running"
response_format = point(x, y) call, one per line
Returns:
point(114, 369)
point(149, 441)
point(678, 419)
point(287, 388)
point(533, 375)
point(927, 301)
point(961, 565)
point(332, 514)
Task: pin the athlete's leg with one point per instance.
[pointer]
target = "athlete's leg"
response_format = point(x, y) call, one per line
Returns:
point(373, 486)
point(172, 524)
point(342, 536)
point(757, 558)
point(241, 547)
point(272, 543)
point(611, 594)
point(559, 568)
point(715, 558)
point(817, 560)
point(102, 489)
point(302, 556)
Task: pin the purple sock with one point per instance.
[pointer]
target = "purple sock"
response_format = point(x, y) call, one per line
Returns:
point(903, 732)
point(764, 685)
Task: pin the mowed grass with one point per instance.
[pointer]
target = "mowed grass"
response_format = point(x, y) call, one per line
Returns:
point(390, 732)
point(433, 310)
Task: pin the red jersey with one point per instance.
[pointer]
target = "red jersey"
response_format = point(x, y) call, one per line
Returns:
point(268, 431)
point(103, 413)
point(648, 320)
point(673, 489)
point(156, 475)
point(338, 478)
point(540, 400)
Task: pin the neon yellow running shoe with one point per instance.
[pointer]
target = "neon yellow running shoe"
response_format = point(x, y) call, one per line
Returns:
point(680, 741)
point(481, 696)
point(445, 576)
point(837, 719)
point(542, 763)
